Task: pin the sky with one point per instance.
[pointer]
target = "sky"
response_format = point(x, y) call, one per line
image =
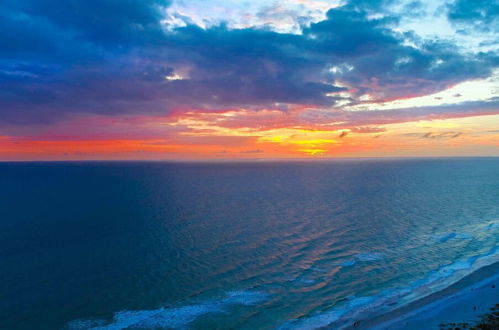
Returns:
point(241, 79)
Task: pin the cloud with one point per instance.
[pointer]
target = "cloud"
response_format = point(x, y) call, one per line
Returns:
point(368, 129)
point(108, 22)
point(436, 136)
point(115, 57)
point(382, 117)
point(253, 122)
point(482, 15)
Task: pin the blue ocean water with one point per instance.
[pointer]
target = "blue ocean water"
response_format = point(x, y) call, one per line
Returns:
point(270, 245)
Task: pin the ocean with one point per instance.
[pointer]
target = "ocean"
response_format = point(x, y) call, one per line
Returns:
point(249, 245)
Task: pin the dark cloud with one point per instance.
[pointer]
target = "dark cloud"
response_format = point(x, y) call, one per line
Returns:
point(482, 15)
point(113, 56)
point(435, 136)
point(381, 117)
point(109, 21)
point(398, 71)
point(368, 121)
point(439, 136)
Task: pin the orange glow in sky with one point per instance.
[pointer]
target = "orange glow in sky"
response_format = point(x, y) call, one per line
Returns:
point(222, 80)
point(222, 136)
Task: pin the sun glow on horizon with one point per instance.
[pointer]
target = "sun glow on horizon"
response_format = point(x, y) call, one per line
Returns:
point(211, 79)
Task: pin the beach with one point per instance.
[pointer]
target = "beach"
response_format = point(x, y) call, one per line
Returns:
point(463, 301)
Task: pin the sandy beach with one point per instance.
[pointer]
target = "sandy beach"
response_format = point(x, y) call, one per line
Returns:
point(464, 301)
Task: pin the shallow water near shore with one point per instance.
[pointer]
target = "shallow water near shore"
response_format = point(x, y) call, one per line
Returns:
point(237, 245)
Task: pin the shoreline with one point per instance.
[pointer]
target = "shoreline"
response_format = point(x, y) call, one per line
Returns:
point(463, 301)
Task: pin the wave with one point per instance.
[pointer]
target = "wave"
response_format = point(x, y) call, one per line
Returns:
point(174, 317)
point(492, 225)
point(452, 236)
point(371, 256)
point(362, 257)
point(348, 263)
point(387, 300)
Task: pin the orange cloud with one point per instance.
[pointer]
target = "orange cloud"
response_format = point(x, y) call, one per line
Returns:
point(222, 134)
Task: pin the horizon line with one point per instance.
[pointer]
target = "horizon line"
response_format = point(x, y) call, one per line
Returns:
point(245, 160)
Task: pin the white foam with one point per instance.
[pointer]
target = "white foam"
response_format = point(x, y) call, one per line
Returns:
point(175, 317)
point(359, 307)
point(492, 225)
point(436, 306)
point(313, 322)
point(320, 320)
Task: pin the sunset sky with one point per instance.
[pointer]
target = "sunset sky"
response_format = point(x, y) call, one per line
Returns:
point(218, 79)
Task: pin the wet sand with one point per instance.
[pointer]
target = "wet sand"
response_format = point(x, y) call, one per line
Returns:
point(464, 301)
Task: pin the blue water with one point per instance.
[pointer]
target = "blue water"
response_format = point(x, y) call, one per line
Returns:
point(237, 245)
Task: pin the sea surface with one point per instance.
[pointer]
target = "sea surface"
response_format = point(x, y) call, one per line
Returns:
point(255, 245)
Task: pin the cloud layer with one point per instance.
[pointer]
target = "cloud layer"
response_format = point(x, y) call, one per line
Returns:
point(73, 58)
